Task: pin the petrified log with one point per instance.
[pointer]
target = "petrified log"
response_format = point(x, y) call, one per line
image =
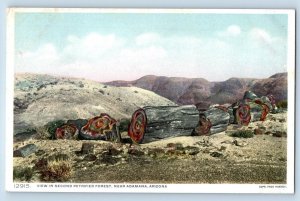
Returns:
point(67, 131)
point(102, 127)
point(25, 151)
point(249, 95)
point(242, 114)
point(79, 123)
point(152, 123)
point(214, 120)
point(259, 110)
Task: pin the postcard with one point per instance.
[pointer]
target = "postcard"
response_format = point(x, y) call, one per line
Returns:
point(150, 100)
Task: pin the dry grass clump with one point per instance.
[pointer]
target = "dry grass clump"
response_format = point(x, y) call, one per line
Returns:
point(56, 168)
point(243, 134)
point(22, 173)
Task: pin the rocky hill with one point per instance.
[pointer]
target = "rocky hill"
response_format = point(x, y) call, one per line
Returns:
point(40, 99)
point(195, 90)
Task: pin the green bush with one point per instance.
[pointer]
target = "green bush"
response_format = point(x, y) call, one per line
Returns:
point(243, 134)
point(282, 104)
point(52, 126)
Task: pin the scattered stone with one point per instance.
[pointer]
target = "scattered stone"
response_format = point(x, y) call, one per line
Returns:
point(90, 157)
point(268, 133)
point(175, 146)
point(40, 152)
point(154, 152)
point(226, 142)
point(239, 143)
point(282, 120)
point(192, 150)
point(25, 151)
point(113, 151)
point(216, 154)
point(24, 135)
point(87, 148)
point(282, 159)
point(106, 159)
point(101, 91)
point(222, 148)
point(280, 134)
point(259, 131)
point(135, 152)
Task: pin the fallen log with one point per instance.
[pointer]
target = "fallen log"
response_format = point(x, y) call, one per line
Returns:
point(214, 120)
point(153, 123)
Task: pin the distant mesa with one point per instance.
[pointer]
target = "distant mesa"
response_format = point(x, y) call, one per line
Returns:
point(196, 90)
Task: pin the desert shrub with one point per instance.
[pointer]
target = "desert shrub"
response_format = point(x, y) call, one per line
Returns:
point(42, 133)
point(22, 173)
point(57, 168)
point(282, 104)
point(52, 126)
point(243, 134)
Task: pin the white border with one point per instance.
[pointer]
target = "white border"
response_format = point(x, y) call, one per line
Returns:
point(171, 188)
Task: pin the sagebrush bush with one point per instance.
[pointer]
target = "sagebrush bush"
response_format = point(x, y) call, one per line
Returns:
point(42, 133)
point(243, 134)
point(57, 168)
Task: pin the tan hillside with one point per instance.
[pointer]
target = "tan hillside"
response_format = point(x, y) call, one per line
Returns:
point(40, 99)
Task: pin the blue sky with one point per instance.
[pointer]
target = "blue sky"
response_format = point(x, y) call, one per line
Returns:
point(124, 46)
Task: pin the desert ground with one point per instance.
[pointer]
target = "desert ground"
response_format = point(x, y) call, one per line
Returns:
point(218, 158)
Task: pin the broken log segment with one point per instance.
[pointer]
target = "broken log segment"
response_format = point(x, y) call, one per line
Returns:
point(258, 110)
point(102, 127)
point(214, 120)
point(157, 122)
point(67, 131)
point(242, 114)
point(25, 151)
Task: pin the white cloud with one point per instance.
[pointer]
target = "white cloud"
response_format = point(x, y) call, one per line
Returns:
point(231, 31)
point(261, 35)
point(38, 61)
point(147, 39)
point(234, 30)
point(90, 47)
point(111, 57)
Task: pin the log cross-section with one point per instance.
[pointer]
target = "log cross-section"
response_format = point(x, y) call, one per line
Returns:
point(156, 122)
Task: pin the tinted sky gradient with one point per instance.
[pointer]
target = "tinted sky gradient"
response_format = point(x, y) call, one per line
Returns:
point(123, 46)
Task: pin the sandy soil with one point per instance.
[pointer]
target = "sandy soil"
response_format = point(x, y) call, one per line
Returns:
point(218, 158)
